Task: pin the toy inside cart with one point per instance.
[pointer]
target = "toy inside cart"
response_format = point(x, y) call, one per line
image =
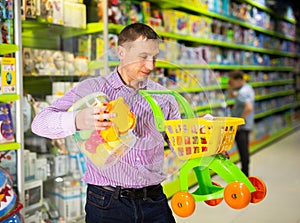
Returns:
point(201, 143)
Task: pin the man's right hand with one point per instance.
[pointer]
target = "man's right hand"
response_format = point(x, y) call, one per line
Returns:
point(93, 118)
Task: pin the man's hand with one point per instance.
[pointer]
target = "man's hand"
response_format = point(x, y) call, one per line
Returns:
point(208, 117)
point(225, 154)
point(94, 118)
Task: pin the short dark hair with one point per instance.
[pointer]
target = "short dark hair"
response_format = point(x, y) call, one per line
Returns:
point(236, 74)
point(133, 31)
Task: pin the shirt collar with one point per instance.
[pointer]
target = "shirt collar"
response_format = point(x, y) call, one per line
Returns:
point(118, 82)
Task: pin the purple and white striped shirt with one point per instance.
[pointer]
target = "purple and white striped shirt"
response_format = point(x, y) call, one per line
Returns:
point(143, 164)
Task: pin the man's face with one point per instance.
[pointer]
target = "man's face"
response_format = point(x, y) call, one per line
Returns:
point(137, 59)
point(235, 83)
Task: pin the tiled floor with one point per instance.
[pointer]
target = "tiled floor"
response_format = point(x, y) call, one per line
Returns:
point(279, 166)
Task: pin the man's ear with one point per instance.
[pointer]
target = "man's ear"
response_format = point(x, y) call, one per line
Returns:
point(121, 52)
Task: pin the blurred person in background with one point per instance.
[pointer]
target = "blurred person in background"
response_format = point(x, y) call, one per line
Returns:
point(243, 107)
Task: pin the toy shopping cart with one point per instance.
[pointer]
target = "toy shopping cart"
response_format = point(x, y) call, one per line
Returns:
point(201, 143)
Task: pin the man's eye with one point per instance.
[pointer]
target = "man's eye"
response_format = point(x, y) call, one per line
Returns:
point(148, 58)
point(144, 57)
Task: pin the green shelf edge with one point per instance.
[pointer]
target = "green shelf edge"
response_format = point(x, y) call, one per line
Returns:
point(171, 188)
point(163, 64)
point(9, 97)
point(271, 83)
point(245, 24)
point(272, 111)
point(257, 98)
point(278, 94)
point(225, 44)
point(8, 48)
point(225, 86)
point(270, 11)
point(10, 146)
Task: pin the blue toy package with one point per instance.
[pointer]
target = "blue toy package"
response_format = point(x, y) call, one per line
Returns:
point(9, 209)
point(6, 125)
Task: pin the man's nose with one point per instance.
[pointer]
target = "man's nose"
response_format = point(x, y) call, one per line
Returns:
point(150, 64)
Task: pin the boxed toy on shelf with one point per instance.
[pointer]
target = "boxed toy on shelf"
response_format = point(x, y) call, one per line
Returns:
point(8, 160)
point(50, 11)
point(68, 195)
point(53, 62)
point(7, 75)
point(74, 15)
point(6, 124)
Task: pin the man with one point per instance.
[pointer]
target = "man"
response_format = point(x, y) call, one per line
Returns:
point(130, 190)
point(243, 107)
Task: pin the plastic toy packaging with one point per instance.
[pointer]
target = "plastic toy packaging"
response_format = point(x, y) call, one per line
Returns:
point(103, 148)
point(9, 208)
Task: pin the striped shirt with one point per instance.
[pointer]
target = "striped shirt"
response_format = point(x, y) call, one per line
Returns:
point(143, 164)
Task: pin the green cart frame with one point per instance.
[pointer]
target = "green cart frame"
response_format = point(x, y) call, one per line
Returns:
point(240, 189)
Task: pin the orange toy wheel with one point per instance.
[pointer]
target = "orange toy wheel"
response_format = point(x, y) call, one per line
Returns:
point(237, 195)
point(214, 202)
point(183, 204)
point(260, 187)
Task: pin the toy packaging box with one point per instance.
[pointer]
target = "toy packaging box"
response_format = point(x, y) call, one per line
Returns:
point(30, 9)
point(74, 15)
point(50, 11)
point(195, 27)
point(135, 12)
point(85, 46)
point(6, 125)
point(8, 161)
point(69, 200)
point(169, 19)
point(8, 75)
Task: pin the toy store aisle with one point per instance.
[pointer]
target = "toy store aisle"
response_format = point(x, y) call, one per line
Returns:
point(278, 165)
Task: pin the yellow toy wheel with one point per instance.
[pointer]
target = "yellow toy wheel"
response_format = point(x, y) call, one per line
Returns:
point(237, 195)
point(183, 204)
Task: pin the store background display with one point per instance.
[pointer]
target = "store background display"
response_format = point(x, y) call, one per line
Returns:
point(202, 42)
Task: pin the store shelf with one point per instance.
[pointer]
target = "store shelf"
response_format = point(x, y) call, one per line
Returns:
point(225, 44)
point(202, 89)
point(271, 83)
point(257, 98)
point(169, 4)
point(48, 36)
point(9, 97)
point(270, 138)
point(10, 146)
point(168, 65)
point(270, 11)
point(8, 48)
point(163, 64)
point(273, 111)
point(274, 95)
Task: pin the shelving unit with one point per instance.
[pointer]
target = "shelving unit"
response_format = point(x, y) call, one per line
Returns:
point(36, 35)
point(7, 49)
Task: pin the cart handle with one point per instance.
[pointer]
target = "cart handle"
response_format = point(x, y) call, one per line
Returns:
point(157, 112)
